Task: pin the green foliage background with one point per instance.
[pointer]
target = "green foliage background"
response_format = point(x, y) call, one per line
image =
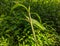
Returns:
point(15, 31)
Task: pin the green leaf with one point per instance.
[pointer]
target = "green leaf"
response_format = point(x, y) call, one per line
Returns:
point(18, 5)
point(35, 22)
point(36, 15)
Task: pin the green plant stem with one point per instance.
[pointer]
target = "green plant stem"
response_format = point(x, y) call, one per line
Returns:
point(30, 20)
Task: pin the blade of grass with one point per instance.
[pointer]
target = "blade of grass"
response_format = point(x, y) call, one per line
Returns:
point(37, 16)
point(18, 5)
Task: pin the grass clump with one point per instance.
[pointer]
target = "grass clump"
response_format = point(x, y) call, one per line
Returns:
point(24, 23)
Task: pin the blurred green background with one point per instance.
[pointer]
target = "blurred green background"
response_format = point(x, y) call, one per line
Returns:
point(17, 32)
